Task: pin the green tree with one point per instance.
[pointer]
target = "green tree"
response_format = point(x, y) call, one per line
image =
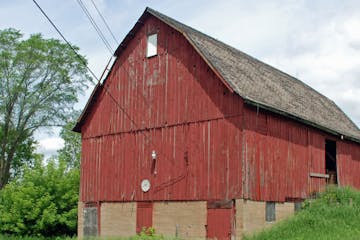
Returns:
point(71, 151)
point(42, 199)
point(39, 83)
point(24, 155)
point(42, 202)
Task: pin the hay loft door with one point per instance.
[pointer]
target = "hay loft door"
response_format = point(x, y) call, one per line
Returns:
point(330, 161)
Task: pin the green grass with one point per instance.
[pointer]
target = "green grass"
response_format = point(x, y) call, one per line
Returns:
point(6, 237)
point(146, 234)
point(334, 215)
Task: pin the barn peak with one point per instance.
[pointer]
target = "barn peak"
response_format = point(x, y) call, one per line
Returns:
point(256, 82)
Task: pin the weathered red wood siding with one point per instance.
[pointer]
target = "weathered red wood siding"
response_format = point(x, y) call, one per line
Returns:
point(317, 158)
point(195, 161)
point(144, 215)
point(174, 87)
point(174, 104)
point(209, 144)
point(220, 223)
point(279, 155)
point(348, 163)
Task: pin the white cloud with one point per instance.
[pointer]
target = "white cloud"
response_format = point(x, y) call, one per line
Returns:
point(319, 43)
point(48, 146)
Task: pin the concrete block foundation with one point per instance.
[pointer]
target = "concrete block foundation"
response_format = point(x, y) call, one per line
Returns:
point(80, 228)
point(118, 219)
point(186, 220)
point(182, 219)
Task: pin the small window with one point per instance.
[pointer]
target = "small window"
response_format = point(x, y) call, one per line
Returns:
point(151, 45)
point(90, 227)
point(297, 206)
point(270, 212)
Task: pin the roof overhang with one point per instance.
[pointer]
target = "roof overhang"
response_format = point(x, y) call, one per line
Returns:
point(298, 119)
point(94, 95)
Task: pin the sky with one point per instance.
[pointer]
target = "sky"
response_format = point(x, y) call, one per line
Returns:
point(317, 42)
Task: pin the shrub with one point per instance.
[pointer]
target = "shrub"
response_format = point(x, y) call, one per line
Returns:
point(147, 234)
point(41, 203)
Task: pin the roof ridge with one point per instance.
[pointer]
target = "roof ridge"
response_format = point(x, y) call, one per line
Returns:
point(152, 11)
point(256, 81)
point(200, 37)
point(148, 9)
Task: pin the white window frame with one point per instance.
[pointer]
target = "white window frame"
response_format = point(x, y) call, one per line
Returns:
point(151, 45)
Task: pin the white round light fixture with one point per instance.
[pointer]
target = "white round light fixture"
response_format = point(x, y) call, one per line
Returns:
point(145, 185)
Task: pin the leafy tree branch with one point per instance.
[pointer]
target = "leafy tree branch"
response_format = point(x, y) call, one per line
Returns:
point(39, 83)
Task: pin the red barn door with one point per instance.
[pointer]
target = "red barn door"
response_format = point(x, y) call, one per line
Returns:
point(220, 220)
point(144, 211)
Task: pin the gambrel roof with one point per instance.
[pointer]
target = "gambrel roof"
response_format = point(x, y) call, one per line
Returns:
point(258, 83)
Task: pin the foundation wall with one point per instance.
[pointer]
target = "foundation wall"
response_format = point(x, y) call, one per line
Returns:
point(284, 210)
point(80, 228)
point(253, 217)
point(186, 220)
point(239, 220)
point(250, 216)
point(118, 219)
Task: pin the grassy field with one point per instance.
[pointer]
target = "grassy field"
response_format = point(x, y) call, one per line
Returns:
point(335, 215)
point(4, 237)
point(142, 236)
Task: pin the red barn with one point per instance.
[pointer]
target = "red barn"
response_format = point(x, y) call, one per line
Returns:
point(199, 140)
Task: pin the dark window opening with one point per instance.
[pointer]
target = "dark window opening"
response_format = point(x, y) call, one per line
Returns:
point(297, 206)
point(90, 222)
point(270, 212)
point(330, 161)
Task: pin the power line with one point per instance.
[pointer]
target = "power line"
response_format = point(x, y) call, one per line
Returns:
point(92, 73)
point(83, 62)
point(67, 42)
point(103, 19)
point(96, 27)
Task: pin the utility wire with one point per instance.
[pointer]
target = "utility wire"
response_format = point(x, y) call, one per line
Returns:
point(106, 88)
point(103, 19)
point(96, 27)
point(83, 62)
point(67, 42)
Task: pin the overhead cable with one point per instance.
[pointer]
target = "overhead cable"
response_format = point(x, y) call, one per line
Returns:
point(67, 42)
point(96, 27)
point(105, 87)
point(107, 25)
